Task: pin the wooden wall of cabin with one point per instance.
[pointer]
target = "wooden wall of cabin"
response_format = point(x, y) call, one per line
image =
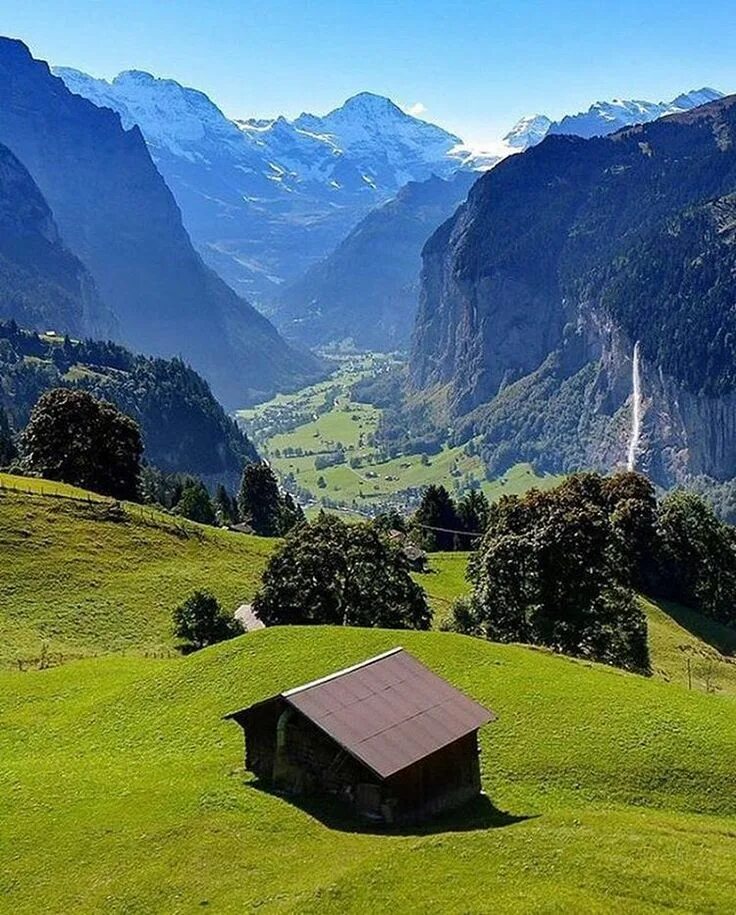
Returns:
point(441, 781)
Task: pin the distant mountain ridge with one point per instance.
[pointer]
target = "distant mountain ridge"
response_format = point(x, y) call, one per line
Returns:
point(263, 199)
point(365, 293)
point(118, 217)
point(603, 118)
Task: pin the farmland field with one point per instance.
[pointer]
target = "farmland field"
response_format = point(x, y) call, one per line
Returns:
point(296, 431)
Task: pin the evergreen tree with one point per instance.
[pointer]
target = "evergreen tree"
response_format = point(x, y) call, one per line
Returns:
point(226, 508)
point(195, 503)
point(261, 503)
point(472, 511)
point(8, 452)
point(436, 520)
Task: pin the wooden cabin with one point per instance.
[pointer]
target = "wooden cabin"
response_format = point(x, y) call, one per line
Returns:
point(388, 736)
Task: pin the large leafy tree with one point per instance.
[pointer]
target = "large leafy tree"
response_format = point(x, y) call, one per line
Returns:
point(341, 574)
point(261, 503)
point(549, 572)
point(696, 556)
point(75, 438)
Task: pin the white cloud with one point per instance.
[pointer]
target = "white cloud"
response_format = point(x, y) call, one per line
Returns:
point(416, 110)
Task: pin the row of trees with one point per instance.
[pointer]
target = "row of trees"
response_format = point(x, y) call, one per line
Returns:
point(440, 523)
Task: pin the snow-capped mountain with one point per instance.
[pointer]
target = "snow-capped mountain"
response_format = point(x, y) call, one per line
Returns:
point(603, 118)
point(528, 131)
point(263, 199)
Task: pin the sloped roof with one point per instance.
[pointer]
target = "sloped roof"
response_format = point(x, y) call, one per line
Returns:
point(388, 712)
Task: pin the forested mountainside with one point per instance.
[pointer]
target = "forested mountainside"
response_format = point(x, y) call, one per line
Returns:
point(184, 428)
point(117, 215)
point(264, 199)
point(42, 284)
point(563, 258)
point(366, 291)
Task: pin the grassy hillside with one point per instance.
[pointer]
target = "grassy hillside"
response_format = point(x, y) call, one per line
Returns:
point(121, 790)
point(81, 577)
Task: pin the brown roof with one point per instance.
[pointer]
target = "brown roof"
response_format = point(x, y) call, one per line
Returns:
point(388, 712)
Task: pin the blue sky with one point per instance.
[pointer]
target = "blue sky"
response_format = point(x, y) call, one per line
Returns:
point(473, 67)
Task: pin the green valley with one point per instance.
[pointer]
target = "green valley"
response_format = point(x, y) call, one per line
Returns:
point(320, 441)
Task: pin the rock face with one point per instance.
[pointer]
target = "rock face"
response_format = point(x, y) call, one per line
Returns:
point(365, 292)
point(42, 285)
point(118, 217)
point(265, 199)
point(535, 293)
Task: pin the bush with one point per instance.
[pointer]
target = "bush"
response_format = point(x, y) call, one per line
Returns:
point(200, 621)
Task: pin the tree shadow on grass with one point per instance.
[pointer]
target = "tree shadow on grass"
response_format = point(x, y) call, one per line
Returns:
point(715, 634)
point(477, 814)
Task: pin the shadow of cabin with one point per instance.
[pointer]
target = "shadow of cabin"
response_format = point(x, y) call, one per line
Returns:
point(387, 737)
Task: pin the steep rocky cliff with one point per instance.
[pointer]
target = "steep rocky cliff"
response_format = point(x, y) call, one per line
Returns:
point(366, 291)
point(117, 215)
point(42, 285)
point(534, 295)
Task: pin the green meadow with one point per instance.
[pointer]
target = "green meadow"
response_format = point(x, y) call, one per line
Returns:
point(122, 788)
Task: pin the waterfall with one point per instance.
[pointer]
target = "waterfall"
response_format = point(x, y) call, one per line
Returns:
point(635, 409)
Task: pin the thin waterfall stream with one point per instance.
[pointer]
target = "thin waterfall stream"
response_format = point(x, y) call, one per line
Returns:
point(635, 409)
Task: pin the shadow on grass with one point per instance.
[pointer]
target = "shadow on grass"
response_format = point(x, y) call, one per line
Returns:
point(718, 636)
point(476, 814)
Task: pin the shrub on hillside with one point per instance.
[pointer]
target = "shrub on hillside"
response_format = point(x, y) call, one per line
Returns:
point(341, 574)
point(200, 621)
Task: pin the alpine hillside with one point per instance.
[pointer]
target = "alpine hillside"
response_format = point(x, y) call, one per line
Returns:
point(578, 310)
point(117, 215)
point(184, 428)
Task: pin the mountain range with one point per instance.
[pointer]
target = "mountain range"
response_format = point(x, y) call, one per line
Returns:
point(365, 291)
point(117, 216)
point(264, 199)
point(585, 283)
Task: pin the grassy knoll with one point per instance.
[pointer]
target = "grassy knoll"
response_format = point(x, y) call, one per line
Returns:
point(81, 577)
point(121, 790)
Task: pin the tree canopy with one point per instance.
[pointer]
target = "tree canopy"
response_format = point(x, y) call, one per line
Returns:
point(341, 574)
point(75, 438)
point(261, 503)
point(552, 570)
point(200, 621)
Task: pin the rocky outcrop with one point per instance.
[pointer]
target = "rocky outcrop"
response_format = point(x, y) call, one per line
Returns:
point(535, 293)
